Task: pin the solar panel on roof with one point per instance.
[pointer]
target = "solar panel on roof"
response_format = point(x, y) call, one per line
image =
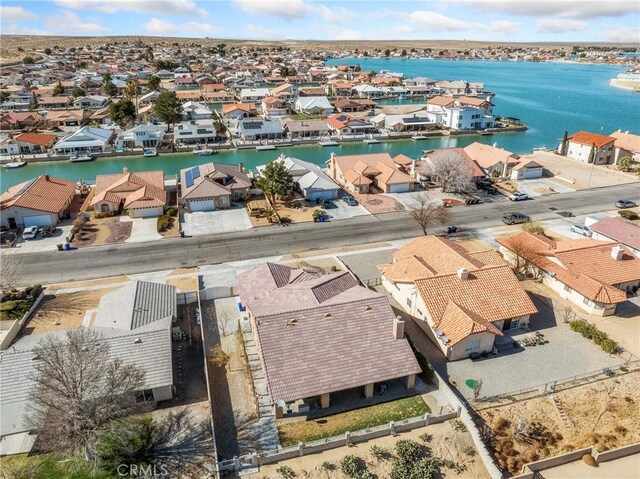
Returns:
point(202, 131)
point(252, 125)
point(26, 187)
point(188, 179)
point(195, 172)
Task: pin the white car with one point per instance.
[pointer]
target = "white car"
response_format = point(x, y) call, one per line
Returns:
point(30, 232)
point(581, 229)
point(517, 196)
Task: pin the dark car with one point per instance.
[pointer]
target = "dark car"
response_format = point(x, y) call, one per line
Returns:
point(515, 218)
point(47, 231)
point(350, 200)
point(625, 204)
point(324, 203)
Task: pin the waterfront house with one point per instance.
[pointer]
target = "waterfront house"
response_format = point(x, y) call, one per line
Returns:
point(305, 128)
point(461, 87)
point(593, 275)
point(625, 144)
point(412, 122)
point(142, 193)
point(213, 186)
point(193, 110)
point(141, 136)
point(319, 335)
point(344, 124)
point(27, 143)
point(235, 111)
point(370, 171)
point(84, 140)
point(188, 134)
point(590, 148)
point(352, 105)
point(462, 300)
point(253, 129)
point(314, 105)
point(494, 161)
point(368, 91)
point(42, 201)
point(59, 118)
point(618, 230)
point(312, 180)
point(461, 114)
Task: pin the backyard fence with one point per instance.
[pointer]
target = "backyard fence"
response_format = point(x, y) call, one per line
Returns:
point(15, 326)
point(320, 445)
point(554, 387)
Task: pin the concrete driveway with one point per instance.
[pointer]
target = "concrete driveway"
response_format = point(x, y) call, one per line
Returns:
point(143, 230)
point(541, 187)
point(40, 244)
point(342, 211)
point(203, 223)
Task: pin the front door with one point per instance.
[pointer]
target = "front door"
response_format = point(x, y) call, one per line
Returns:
point(12, 223)
point(506, 326)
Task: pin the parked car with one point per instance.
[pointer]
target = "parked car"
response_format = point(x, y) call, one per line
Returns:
point(515, 218)
point(517, 196)
point(47, 231)
point(324, 203)
point(625, 204)
point(350, 200)
point(30, 232)
point(581, 229)
point(484, 183)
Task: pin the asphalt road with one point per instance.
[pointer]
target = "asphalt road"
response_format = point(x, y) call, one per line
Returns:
point(105, 261)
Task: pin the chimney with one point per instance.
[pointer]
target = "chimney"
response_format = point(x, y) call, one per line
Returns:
point(46, 177)
point(463, 274)
point(398, 327)
point(617, 252)
point(241, 167)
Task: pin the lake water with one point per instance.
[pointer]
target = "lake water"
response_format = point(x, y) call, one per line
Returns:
point(550, 98)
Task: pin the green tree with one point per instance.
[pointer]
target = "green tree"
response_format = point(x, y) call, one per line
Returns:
point(122, 112)
point(58, 89)
point(404, 53)
point(592, 154)
point(274, 181)
point(47, 51)
point(564, 144)
point(153, 83)
point(284, 71)
point(107, 85)
point(28, 60)
point(387, 53)
point(624, 164)
point(127, 441)
point(220, 127)
point(149, 54)
point(132, 91)
point(4, 96)
point(77, 92)
point(168, 108)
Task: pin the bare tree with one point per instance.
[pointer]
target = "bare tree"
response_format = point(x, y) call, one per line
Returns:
point(78, 389)
point(451, 171)
point(10, 271)
point(428, 209)
point(521, 255)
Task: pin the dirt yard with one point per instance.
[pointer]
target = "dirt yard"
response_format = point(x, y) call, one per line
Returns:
point(377, 204)
point(445, 443)
point(604, 414)
point(288, 214)
point(63, 311)
point(91, 282)
point(184, 285)
point(173, 230)
point(98, 231)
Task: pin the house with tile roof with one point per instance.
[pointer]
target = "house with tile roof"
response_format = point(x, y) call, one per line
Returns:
point(493, 160)
point(344, 124)
point(625, 144)
point(141, 193)
point(425, 166)
point(29, 143)
point(594, 275)
point(359, 173)
point(321, 334)
point(213, 186)
point(42, 201)
point(135, 324)
point(462, 300)
point(580, 145)
point(619, 230)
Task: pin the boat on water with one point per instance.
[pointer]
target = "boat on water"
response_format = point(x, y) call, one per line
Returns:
point(541, 148)
point(150, 152)
point(418, 137)
point(265, 147)
point(14, 164)
point(79, 158)
point(204, 152)
point(328, 143)
point(371, 141)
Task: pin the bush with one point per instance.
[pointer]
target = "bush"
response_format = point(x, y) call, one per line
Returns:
point(423, 468)
point(172, 212)
point(351, 465)
point(589, 460)
point(628, 214)
point(164, 222)
point(408, 451)
point(286, 472)
point(427, 368)
point(533, 228)
point(589, 331)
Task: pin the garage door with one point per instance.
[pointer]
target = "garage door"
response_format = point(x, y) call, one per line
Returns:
point(532, 173)
point(313, 195)
point(401, 188)
point(204, 205)
point(37, 220)
point(148, 212)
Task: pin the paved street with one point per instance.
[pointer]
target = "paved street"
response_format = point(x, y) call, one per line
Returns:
point(98, 262)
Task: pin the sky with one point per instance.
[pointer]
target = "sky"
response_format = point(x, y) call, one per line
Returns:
point(495, 20)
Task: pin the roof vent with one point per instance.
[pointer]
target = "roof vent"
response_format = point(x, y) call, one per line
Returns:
point(463, 274)
point(292, 322)
point(368, 308)
point(327, 315)
point(617, 252)
point(137, 341)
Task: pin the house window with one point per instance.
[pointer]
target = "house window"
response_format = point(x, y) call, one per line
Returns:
point(409, 302)
point(586, 301)
point(567, 288)
point(515, 323)
point(420, 313)
point(473, 344)
point(145, 396)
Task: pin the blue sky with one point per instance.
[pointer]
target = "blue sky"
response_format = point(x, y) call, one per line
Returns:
point(499, 20)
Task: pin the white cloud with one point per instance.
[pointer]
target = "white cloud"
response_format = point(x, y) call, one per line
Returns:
point(70, 24)
point(15, 14)
point(504, 27)
point(581, 9)
point(558, 25)
point(337, 33)
point(157, 7)
point(338, 15)
point(162, 27)
point(257, 32)
point(13, 29)
point(620, 34)
point(286, 9)
point(436, 21)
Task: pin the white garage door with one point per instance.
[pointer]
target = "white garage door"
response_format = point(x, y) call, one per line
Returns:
point(532, 173)
point(37, 220)
point(204, 205)
point(148, 212)
point(401, 188)
point(327, 194)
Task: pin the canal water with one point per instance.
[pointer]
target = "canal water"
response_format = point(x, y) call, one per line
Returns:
point(550, 98)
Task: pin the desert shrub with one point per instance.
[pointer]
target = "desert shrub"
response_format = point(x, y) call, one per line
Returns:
point(501, 423)
point(328, 466)
point(533, 228)
point(589, 331)
point(286, 472)
point(220, 358)
point(379, 453)
point(469, 451)
point(425, 437)
point(408, 451)
point(351, 465)
point(628, 214)
point(589, 460)
point(171, 212)
point(422, 468)
point(458, 425)
point(164, 222)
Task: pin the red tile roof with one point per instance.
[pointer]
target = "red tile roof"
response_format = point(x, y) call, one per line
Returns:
point(587, 138)
point(136, 190)
point(44, 193)
point(40, 139)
